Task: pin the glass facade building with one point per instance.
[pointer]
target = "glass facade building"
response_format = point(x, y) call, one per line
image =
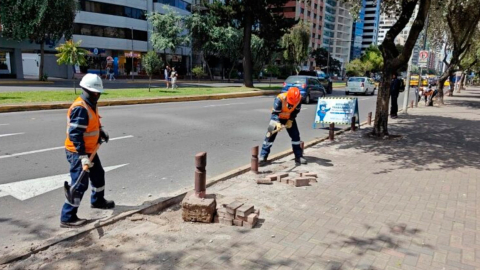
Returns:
point(357, 34)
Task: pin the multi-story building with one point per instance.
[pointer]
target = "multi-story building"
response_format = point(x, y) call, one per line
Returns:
point(113, 29)
point(387, 21)
point(312, 13)
point(371, 21)
point(337, 32)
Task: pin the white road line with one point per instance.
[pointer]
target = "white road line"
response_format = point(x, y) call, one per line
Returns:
point(11, 134)
point(27, 189)
point(53, 148)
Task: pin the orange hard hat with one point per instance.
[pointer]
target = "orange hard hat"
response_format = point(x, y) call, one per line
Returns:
point(293, 95)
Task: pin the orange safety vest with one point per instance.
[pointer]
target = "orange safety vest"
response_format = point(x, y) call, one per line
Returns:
point(285, 114)
point(92, 134)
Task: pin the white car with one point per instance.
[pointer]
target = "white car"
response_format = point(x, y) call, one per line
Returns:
point(360, 85)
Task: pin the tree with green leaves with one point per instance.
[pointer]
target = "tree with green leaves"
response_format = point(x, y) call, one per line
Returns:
point(453, 25)
point(372, 57)
point(322, 56)
point(168, 30)
point(38, 21)
point(151, 63)
point(295, 44)
point(355, 68)
point(70, 53)
point(203, 31)
point(254, 17)
point(228, 44)
point(198, 72)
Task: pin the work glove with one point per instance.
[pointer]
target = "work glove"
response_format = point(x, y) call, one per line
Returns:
point(289, 124)
point(104, 135)
point(85, 161)
point(274, 125)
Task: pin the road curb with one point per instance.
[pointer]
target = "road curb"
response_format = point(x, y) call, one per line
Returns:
point(103, 103)
point(153, 207)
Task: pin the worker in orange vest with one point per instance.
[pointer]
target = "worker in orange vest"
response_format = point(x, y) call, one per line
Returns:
point(84, 132)
point(285, 109)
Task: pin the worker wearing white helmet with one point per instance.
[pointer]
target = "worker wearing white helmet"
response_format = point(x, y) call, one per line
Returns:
point(84, 133)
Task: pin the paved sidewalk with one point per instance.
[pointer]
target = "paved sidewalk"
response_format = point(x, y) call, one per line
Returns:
point(404, 203)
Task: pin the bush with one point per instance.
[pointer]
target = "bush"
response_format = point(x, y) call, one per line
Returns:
point(198, 72)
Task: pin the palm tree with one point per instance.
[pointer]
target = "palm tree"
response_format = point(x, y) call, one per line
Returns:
point(70, 53)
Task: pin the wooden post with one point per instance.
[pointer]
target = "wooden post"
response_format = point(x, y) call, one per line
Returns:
point(200, 174)
point(331, 133)
point(369, 119)
point(254, 161)
point(353, 126)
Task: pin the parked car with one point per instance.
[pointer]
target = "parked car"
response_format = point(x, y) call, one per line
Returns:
point(310, 87)
point(321, 76)
point(362, 85)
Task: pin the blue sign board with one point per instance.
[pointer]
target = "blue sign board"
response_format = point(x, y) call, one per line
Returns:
point(338, 110)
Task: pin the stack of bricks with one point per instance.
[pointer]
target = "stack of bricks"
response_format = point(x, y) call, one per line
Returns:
point(238, 214)
point(305, 179)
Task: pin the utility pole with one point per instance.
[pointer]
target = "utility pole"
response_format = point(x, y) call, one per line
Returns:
point(407, 90)
point(132, 55)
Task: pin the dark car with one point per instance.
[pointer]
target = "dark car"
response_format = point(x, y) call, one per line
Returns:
point(310, 87)
point(321, 76)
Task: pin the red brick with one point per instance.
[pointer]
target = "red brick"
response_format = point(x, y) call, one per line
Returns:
point(238, 222)
point(250, 225)
point(252, 218)
point(272, 177)
point(222, 212)
point(313, 180)
point(232, 207)
point(301, 181)
point(309, 175)
point(244, 210)
point(225, 221)
point(282, 175)
point(264, 181)
point(257, 212)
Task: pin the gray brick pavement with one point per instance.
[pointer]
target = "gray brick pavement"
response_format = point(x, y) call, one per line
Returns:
point(408, 203)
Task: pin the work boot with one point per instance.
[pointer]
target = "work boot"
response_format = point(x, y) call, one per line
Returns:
point(263, 161)
point(300, 161)
point(74, 223)
point(105, 204)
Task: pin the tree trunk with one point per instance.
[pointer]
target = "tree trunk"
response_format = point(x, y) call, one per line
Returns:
point(247, 50)
point(42, 55)
point(149, 83)
point(230, 72)
point(383, 97)
point(441, 84)
point(208, 67)
point(462, 81)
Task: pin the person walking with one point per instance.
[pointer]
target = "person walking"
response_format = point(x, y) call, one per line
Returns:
point(285, 109)
point(112, 74)
point(166, 72)
point(84, 132)
point(174, 76)
point(394, 92)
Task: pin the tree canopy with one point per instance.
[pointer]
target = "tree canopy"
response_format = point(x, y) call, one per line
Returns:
point(295, 44)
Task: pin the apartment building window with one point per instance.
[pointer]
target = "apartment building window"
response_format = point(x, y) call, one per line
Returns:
point(315, 15)
point(111, 9)
point(107, 31)
point(309, 13)
point(176, 3)
point(316, 6)
point(314, 26)
point(313, 35)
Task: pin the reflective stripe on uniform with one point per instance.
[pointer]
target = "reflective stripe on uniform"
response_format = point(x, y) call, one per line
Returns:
point(90, 134)
point(77, 126)
point(295, 142)
point(268, 143)
point(74, 205)
point(99, 189)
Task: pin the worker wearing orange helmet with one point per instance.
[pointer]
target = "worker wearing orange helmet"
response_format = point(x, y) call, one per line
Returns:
point(285, 109)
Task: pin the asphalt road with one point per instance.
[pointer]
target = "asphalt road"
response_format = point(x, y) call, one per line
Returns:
point(151, 156)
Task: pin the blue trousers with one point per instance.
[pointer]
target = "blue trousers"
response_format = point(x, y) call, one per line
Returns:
point(294, 135)
point(97, 178)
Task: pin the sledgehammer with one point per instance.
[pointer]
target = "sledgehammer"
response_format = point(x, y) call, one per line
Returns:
point(271, 132)
point(70, 190)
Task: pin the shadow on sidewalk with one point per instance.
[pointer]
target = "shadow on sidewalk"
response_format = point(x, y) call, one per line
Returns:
point(429, 142)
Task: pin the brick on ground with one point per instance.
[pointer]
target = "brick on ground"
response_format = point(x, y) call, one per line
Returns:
point(301, 181)
point(232, 207)
point(264, 181)
point(244, 211)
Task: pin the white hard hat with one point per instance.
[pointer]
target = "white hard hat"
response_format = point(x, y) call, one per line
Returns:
point(92, 83)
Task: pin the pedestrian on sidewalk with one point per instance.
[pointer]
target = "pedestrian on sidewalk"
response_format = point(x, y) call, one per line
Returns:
point(84, 132)
point(394, 92)
point(112, 75)
point(166, 72)
point(174, 76)
point(285, 109)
